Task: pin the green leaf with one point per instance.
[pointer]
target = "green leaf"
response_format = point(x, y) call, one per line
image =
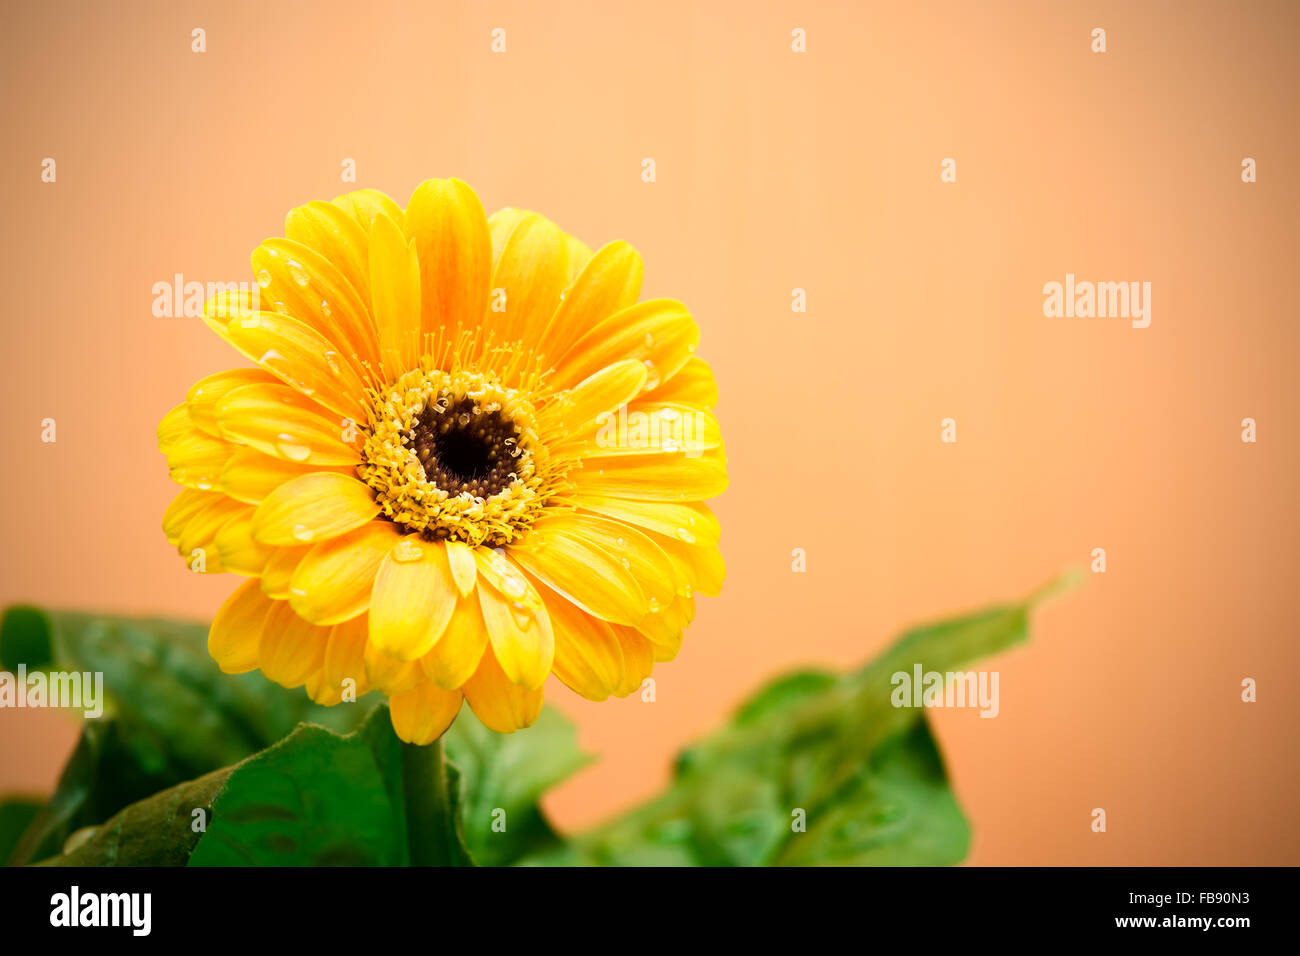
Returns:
point(502, 778)
point(170, 715)
point(814, 769)
point(16, 814)
point(313, 799)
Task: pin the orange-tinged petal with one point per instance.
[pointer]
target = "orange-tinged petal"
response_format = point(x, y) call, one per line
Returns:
point(414, 597)
point(321, 691)
point(279, 568)
point(182, 509)
point(291, 649)
point(236, 630)
point(278, 421)
point(450, 229)
point(588, 657)
point(659, 333)
point(609, 282)
point(395, 295)
point(646, 428)
point(330, 230)
point(390, 675)
point(501, 705)
point(345, 657)
point(456, 656)
point(195, 459)
point(333, 582)
point(533, 272)
point(586, 574)
point(521, 636)
point(302, 358)
point(638, 659)
point(635, 551)
point(304, 284)
point(201, 531)
point(701, 567)
point(238, 550)
point(422, 714)
point(313, 508)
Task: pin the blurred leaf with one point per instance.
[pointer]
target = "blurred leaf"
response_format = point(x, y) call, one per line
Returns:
point(170, 715)
point(16, 814)
point(864, 776)
point(502, 777)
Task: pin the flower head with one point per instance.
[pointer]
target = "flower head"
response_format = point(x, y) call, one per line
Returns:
point(467, 458)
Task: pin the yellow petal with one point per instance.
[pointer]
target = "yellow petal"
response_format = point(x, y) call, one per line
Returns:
point(304, 284)
point(330, 230)
point(521, 636)
point(594, 401)
point(201, 530)
point(175, 425)
point(395, 295)
point(277, 421)
point(279, 568)
point(609, 282)
point(332, 583)
point(450, 229)
point(532, 271)
point(250, 475)
point(656, 477)
point(237, 548)
point(422, 714)
point(691, 522)
point(638, 660)
point(645, 428)
point(461, 558)
point(313, 508)
point(586, 574)
point(345, 657)
point(201, 400)
point(413, 599)
point(236, 630)
point(692, 385)
point(195, 459)
point(659, 333)
point(291, 649)
point(702, 567)
point(635, 551)
point(390, 675)
point(183, 508)
point(501, 705)
point(302, 358)
point(454, 658)
point(588, 657)
point(322, 692)
point(364, 204)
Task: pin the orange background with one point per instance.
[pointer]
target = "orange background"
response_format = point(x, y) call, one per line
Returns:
point(775, 170)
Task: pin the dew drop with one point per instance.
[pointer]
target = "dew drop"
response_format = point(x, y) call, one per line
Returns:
point(291, 448)
point(299, 274)
point(653, 605)
point(651, 375)
point(263, 278)
point(649, 341)
point(407, 551)
point(685, 535)
point(303, 533)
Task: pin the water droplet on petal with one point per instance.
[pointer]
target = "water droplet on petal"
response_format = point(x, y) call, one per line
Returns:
point(407, 551)
point(291, 448)
point(685, 535)
point(651, 375)
point(303, 533)
point(263, 278)
point(653, 605)
point(649, 341)
point(299, 274)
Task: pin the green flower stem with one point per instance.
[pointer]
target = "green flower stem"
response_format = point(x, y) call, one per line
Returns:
point(429, 823)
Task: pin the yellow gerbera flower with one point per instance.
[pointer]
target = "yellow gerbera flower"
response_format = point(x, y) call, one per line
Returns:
point(467, 458)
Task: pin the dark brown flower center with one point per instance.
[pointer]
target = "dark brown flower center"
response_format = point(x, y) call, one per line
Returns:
point(464, 448)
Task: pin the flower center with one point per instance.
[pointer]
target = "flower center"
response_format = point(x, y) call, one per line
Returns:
point(465, 449)
point(456, 455)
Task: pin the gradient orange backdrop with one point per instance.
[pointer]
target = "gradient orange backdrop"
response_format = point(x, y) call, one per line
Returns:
point(776, 170)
